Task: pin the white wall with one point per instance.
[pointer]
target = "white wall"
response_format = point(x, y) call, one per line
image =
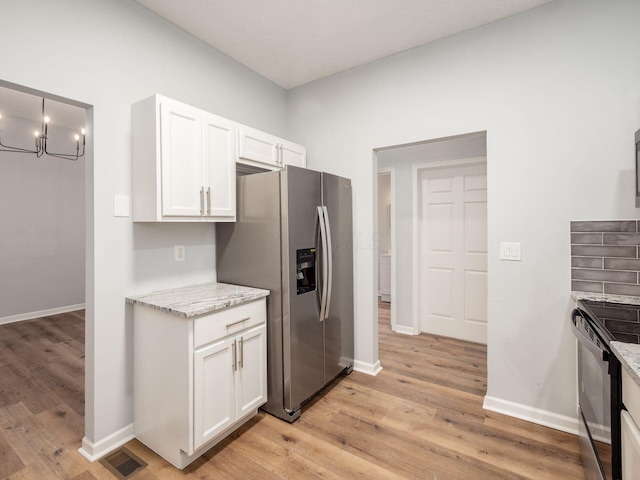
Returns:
point(42, 241)
point(110, 54)
point(558, 91)
point(403, 159)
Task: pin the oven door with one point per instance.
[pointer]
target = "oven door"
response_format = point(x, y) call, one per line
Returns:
point(594, 395)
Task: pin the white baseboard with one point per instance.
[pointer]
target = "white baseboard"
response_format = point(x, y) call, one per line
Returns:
point(403, 329)
point(372, 369)
point(532, 414)
point(41, 313)
point(94, 451)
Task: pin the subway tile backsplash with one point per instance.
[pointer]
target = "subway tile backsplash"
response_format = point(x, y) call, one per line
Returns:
point(605, 257)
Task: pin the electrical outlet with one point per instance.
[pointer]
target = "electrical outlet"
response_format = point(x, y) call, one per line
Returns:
point(180, 253)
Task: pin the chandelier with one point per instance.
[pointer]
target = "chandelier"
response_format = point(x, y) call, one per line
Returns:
point(41, 138)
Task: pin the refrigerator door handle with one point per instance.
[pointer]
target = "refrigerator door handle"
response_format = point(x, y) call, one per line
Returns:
point(325, 267)
point(329, 256)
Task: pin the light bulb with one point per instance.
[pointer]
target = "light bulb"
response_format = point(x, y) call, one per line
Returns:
point(37, 134)
point(46, 119)
point(82, 131)
point(77, 137)
point(0, 116)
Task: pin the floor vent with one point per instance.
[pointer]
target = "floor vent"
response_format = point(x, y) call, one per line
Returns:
point(123, 463)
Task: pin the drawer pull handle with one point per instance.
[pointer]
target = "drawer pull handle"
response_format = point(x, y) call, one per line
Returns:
point(233, 324)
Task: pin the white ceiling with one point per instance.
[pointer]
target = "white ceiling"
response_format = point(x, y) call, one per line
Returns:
point(293, 42)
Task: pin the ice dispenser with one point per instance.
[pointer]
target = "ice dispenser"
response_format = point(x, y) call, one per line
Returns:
point(306, 270)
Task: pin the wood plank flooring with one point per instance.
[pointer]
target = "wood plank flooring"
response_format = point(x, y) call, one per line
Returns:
point(420, 418)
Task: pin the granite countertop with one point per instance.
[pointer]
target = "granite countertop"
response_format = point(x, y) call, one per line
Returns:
point(605, 297)
point(195, 300)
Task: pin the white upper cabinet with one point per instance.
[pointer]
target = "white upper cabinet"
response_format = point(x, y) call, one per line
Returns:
point(260, 149)
point(219, 166)
point(183, 163)
point(293, 154)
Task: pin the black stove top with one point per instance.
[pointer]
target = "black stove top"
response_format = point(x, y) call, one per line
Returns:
point(620, 321)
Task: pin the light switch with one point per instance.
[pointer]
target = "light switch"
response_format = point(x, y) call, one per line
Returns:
point(510, 251)
point(120, 205)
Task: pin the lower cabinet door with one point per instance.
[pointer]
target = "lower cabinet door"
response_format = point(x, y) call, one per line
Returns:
point(252, 372)
point(214, 390)
point(630, 447)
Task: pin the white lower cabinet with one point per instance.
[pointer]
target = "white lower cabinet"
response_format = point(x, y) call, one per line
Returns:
point(630, 419)
point(197, 380)
point(224, 395)
point(630, 447)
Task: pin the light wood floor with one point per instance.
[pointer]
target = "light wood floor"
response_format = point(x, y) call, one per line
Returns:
point(420, 418)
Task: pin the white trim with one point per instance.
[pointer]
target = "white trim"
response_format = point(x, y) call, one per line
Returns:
point(415, 172)
point(372, 369)
point(462, 162)
point(405, 330)
point(94, 451)
point(392, 183)
point(415, 321)
point(532, 414)
point(41, 313)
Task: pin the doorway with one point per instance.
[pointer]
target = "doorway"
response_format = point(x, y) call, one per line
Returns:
point(45, 275)
point(405, 163)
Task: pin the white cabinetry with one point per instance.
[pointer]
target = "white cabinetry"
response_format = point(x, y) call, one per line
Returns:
point(630, 420)
point(183, 163)
point(197, 380)
point(222, 395)
point(260, 149)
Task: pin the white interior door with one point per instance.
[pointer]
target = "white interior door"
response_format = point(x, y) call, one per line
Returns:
point(453, 252)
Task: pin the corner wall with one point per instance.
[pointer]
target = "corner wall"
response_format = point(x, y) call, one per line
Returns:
point(557, 89)
point(109, 54)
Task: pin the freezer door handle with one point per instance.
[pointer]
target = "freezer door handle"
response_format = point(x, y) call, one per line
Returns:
point(325, 267)
point(329, 256)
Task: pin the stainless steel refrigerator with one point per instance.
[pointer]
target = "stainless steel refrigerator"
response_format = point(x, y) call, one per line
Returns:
point(293, 236)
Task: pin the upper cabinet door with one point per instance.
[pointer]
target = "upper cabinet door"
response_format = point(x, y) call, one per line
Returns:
point(293, 154)
point(260, 149)
point(256, 148)
point(181, 157)
point(219, 166)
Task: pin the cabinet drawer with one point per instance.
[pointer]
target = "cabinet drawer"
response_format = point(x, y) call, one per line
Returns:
point(228, 322)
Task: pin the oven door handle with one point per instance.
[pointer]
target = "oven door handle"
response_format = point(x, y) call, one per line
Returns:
point(594, 348)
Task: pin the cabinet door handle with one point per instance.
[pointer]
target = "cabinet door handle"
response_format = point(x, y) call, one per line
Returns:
point(241, 352)
point(202, 201)
point(233, 351)
point(233, 324)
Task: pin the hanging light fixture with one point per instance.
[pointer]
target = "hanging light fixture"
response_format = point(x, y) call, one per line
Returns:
point(41, 138)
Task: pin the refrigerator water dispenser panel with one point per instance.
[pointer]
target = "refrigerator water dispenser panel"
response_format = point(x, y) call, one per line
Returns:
point(306, 270)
